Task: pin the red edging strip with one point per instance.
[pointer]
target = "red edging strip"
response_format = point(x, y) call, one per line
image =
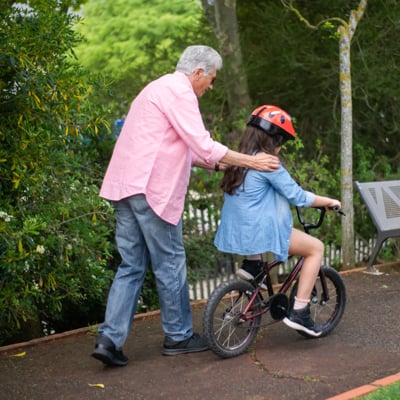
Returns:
point(366, 389)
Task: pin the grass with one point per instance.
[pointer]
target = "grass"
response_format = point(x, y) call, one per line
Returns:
point(391, 392)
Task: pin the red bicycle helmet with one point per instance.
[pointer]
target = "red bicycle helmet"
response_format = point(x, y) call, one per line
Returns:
point(273, 121)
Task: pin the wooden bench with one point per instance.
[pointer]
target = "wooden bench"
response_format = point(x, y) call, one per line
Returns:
point(383, 202)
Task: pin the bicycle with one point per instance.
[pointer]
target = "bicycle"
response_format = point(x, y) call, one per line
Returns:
point(232, 316)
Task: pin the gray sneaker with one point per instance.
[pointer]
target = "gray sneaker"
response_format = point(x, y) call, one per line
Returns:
point(301, 320)
point(194, 344)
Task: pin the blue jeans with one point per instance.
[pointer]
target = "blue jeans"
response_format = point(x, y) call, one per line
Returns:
point(143, 237)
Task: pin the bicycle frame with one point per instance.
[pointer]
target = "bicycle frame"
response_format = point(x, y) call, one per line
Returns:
point(284, 288)
point(288, 282)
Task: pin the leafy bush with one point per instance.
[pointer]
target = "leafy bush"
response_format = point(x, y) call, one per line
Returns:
point(55, 236)
point(54, 258)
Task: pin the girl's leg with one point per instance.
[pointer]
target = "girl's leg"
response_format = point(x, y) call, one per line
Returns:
point(312, 249)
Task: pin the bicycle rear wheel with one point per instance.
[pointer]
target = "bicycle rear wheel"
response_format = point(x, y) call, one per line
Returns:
point(326, 313)
point(230, 332)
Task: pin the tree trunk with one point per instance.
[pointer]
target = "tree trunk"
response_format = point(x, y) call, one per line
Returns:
point(346, 35)
point(346, 31)
point(346, 158)
point(221, 15)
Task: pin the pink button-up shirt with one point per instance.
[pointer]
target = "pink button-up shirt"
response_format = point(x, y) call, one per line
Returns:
point(162, 136)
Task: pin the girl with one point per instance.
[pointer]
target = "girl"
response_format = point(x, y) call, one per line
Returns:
point(256, 216)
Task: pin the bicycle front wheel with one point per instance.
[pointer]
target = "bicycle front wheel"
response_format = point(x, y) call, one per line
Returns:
point(229, 324)
point(326, 308)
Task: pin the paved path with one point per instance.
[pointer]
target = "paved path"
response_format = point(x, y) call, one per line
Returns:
point(364, 348)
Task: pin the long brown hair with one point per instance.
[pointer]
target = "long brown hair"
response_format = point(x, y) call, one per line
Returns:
point(254, 140)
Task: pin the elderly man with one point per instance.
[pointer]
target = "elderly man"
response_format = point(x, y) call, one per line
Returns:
point(147, 178)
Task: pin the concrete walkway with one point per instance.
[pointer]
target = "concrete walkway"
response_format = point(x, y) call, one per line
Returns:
point(362, 354)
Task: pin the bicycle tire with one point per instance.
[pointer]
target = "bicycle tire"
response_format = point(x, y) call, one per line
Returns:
point(326, 314)
point(226, 333)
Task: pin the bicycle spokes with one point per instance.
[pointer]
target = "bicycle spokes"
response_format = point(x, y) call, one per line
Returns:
point(232, 318)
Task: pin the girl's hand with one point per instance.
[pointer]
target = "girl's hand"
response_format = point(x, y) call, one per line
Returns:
point(334, 205)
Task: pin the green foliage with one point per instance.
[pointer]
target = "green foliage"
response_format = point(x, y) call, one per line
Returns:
point(286, 63)
point(54, 253)
point(55, 230)
point(135, 42)
point(296, 67)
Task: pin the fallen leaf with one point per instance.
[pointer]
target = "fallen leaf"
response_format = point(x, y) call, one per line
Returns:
point(100, 385)
point(23, 354)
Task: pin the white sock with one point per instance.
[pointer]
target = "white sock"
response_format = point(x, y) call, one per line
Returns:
point(299, 304)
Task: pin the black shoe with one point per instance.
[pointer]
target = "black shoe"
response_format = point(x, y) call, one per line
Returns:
point(301, 320)
point(106, 352)
point(194, 344)
point(250, 270)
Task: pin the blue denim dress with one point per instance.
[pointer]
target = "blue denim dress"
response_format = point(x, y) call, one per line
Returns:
point(257, 217)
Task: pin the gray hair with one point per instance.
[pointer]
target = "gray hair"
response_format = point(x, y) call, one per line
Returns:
point(203, 57)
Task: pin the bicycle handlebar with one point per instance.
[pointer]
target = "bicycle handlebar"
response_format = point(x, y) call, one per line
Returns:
point(337, 209)
point(307, 226)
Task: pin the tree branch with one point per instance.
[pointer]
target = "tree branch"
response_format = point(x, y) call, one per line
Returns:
point(289, 6)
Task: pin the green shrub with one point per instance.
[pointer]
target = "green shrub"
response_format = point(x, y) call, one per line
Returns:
point(54, 257)
point(56, 234)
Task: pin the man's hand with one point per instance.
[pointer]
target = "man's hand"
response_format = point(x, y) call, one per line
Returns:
point(261, 161)
point(265, 162)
